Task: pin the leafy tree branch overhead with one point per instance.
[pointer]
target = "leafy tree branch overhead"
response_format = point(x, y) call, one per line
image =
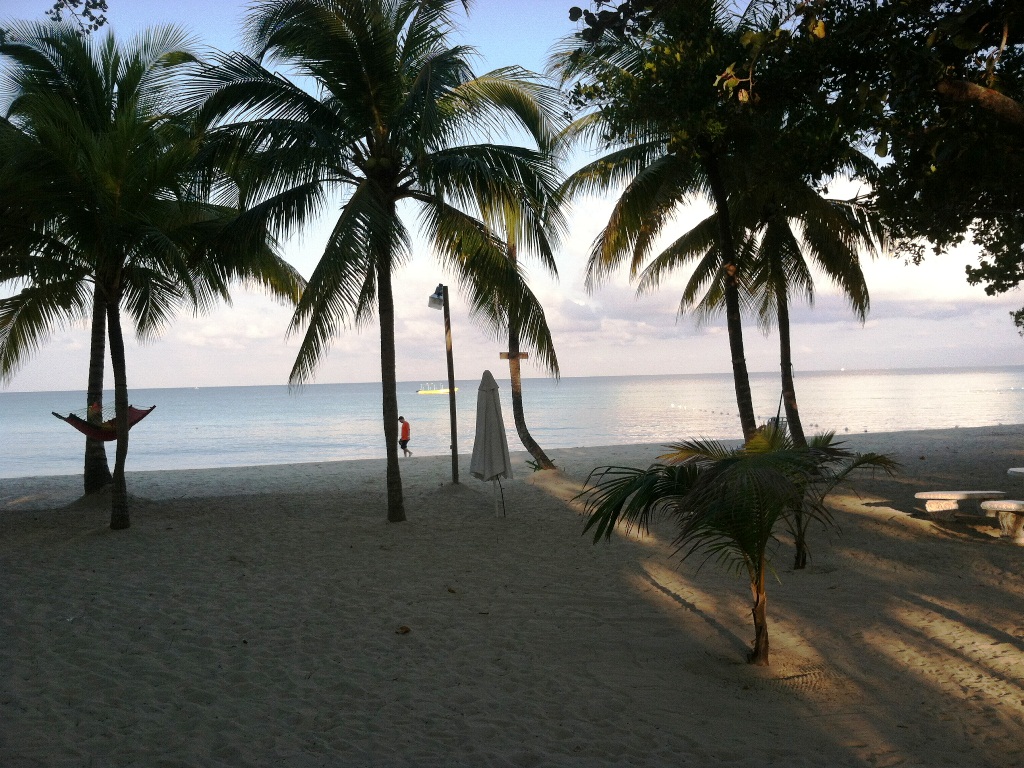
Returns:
point(84, 16)
point(87, 15)
point(938, 87)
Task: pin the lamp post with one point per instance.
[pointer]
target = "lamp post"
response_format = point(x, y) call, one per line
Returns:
point(439, 300)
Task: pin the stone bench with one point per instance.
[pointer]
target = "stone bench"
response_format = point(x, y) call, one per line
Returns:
point(945, 504)
point(1010, 513)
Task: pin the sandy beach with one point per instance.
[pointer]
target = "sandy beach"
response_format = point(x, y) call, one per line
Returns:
point(270, 616)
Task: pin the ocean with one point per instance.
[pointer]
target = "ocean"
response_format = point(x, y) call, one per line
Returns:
point(243, 426)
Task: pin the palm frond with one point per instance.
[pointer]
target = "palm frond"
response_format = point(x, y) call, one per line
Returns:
point(506, 98)
point(335, 294)
point(31, 316)
point(614, 170)
point(494, 284)
point(695, 244)
point(639, 215)
point(633, 497)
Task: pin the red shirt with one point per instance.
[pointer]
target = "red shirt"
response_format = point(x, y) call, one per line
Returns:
point(405, 430)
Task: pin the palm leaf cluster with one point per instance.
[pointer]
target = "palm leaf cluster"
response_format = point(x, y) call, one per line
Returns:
point(102, 190)
point(728, 504)
point(787, 232)
point(669, 138)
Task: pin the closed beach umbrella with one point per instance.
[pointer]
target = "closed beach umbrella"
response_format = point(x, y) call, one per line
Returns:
point(490, 448)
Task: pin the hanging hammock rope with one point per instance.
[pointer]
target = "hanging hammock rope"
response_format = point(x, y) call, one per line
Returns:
point(103, 427)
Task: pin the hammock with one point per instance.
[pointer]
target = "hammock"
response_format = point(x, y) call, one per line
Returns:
point(105, 430)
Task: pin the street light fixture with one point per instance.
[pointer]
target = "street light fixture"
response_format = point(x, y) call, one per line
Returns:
point(439, 300)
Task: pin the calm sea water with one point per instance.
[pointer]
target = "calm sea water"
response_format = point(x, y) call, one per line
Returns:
point(241, 426)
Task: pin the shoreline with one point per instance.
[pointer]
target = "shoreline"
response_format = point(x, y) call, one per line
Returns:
point(36, 492)
point(270, 426)
point(273, 617)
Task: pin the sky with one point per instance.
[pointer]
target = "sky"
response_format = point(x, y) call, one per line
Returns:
point(920, 316)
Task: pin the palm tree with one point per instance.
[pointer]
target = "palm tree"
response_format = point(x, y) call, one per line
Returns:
point(768, 219)
point(537, 221)
point(786, 229)
point(392, 122)
point(515, 373)
point(800, 228)
point(96, 471)
point(727, 503)
point(29, 250)
point(659, 156)
point(800, 231)
point(27, 257)
point(117, 205)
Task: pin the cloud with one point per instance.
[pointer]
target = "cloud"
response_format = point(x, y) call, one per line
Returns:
point(829, 310)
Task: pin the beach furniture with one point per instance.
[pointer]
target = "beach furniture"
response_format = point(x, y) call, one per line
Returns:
point(944, 505)
point(105, 430)
point(1010, 513)
point(490, 459)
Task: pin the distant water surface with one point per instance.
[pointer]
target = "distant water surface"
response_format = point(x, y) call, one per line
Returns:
point(241, 426)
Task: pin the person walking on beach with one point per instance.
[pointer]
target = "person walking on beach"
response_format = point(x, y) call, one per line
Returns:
point(406, 433)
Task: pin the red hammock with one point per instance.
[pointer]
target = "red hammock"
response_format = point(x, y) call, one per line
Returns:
point(106, 430)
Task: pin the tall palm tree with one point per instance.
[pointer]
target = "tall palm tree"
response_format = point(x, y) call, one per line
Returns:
point(537, 221)
point(728, 503)
point(396, 118)
point(120, 214)
point(515, 372)
point(786, 230)
point(667, 144)
point(30, 251)
point(761, 176)
point(801, 233)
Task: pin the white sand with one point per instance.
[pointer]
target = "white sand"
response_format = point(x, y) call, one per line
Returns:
point(251, 617)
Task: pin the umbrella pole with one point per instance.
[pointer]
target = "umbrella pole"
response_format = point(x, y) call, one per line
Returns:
point(496, 484)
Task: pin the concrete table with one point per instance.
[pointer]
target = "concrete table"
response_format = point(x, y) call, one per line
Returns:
point(1010, 513)
point(944, 504)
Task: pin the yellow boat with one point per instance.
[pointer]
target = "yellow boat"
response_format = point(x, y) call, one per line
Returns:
point(439, 391)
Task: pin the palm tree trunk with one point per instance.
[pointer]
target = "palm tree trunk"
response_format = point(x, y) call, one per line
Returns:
point(759, 654)
point(517, 399)
point(389, 385)
point(96, 474)
point(515, 376)
point(734, 321)
point(800, 558)
point(741, 380)
point(796, 429)
point(119, 499)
